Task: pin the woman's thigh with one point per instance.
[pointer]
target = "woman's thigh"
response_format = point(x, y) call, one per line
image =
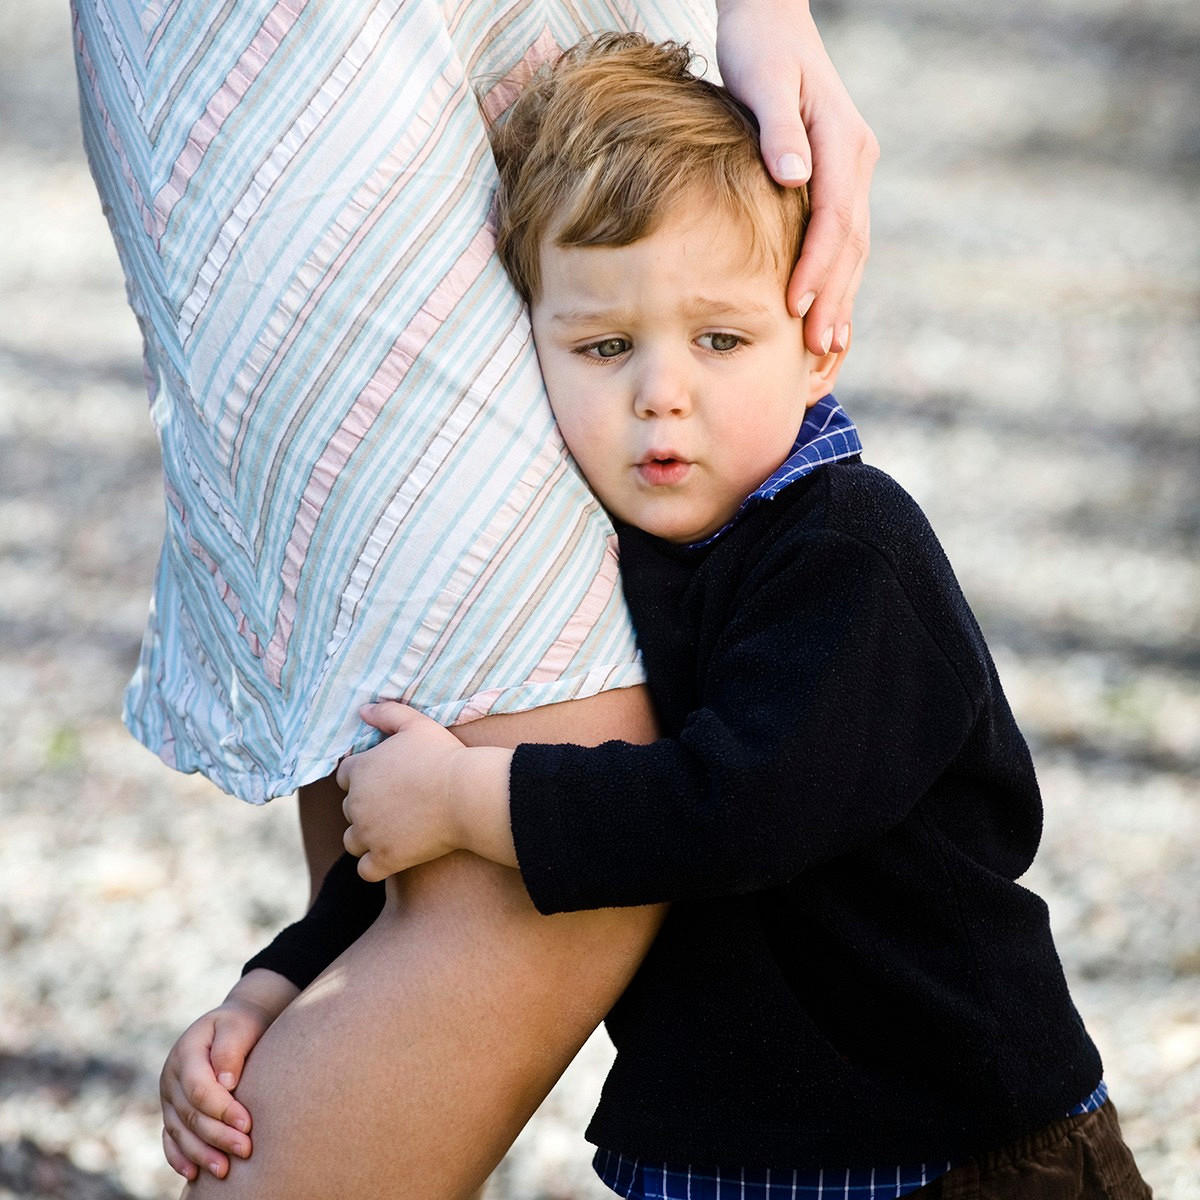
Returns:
point(410, 1066)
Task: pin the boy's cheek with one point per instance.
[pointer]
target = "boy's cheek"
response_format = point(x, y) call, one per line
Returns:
point(580, 446)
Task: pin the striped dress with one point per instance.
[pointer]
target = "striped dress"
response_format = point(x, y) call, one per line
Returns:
point(366, 495)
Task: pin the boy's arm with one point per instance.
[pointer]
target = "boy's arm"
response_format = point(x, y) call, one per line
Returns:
point(203, 1122)
point(827, 710)
point(420, 794)
point(345, 908)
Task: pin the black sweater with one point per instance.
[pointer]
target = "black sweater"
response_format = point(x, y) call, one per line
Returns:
point(838, 809)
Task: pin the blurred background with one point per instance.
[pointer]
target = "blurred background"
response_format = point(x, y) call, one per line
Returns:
point(1026, 362)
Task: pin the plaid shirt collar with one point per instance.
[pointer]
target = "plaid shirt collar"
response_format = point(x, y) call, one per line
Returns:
point(827, 435)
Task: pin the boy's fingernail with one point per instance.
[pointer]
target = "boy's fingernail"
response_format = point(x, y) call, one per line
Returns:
point(826, 341)
point(214, 1169)
point(791, 167)
point(806, 302)
point(225, 1079)
point(242, 1125)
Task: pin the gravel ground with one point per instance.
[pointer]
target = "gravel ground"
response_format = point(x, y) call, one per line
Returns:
point(1031, 315)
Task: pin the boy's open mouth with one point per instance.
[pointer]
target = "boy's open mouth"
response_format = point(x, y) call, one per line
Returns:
point(662, 470)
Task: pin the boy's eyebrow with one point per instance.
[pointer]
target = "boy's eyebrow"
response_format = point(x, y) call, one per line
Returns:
point(698, 306)
point(588, 316)
point(702, 306)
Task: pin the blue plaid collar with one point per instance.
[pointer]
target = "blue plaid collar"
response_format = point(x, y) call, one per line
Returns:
point(827, 435)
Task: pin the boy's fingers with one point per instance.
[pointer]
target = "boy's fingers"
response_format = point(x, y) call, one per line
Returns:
point(388, 716)
point(207, 1108)
point(371, 870)
point(228, 1059)
point(186, 1140)
point(353, 843)
point(176, 1159)
point(199, 1135)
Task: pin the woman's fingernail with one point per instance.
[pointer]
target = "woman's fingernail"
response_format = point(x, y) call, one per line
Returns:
point(844, 337)
point(791, 167)
point(826, 341)
point(242, 1125)
point(225, 1079)
point(214, 1168)
point(806, 302)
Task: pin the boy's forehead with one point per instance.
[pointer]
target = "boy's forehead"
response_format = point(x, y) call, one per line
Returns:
point(728, 244)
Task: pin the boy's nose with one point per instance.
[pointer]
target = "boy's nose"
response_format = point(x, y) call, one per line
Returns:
point(663, 390)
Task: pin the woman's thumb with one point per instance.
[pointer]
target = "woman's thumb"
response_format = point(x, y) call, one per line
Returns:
point(785, 149)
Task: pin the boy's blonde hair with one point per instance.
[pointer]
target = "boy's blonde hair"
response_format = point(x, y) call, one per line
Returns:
point(606, 141)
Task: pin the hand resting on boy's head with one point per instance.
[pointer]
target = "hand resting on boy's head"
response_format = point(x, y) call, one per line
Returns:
point(772, 58)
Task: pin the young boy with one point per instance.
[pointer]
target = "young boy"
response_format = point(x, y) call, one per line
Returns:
point(850, 995)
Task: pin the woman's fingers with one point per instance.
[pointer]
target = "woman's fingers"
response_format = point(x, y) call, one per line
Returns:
point(838, 239)
point(771, 56)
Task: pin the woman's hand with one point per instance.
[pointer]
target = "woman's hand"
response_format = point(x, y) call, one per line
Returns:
point(421, 794)
point(203, 1124)
point(772, 58)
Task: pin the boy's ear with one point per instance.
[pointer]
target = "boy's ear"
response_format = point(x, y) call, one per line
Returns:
point(823, 372)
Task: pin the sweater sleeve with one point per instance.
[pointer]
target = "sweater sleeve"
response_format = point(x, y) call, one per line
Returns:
point(345, 908)
point(827, 708)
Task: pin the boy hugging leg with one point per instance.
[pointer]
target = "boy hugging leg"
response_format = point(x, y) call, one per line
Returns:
point(851, 995)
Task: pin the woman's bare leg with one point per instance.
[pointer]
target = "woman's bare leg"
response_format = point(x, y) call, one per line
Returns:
point(410, 1066)
point(321, 828)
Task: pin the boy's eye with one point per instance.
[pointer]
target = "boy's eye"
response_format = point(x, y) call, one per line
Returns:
point(722, 343)
point(612, 347)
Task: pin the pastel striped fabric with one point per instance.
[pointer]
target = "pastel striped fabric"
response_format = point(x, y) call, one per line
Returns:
point(366, 494)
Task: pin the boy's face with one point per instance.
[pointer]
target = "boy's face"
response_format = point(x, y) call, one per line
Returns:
point(676, 374)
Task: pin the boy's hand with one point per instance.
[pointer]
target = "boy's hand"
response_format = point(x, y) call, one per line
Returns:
point(421, 794)
point(202, 1122)
point(772, 58)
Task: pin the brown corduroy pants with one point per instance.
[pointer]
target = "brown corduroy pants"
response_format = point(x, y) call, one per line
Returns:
point(1078, 1158)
